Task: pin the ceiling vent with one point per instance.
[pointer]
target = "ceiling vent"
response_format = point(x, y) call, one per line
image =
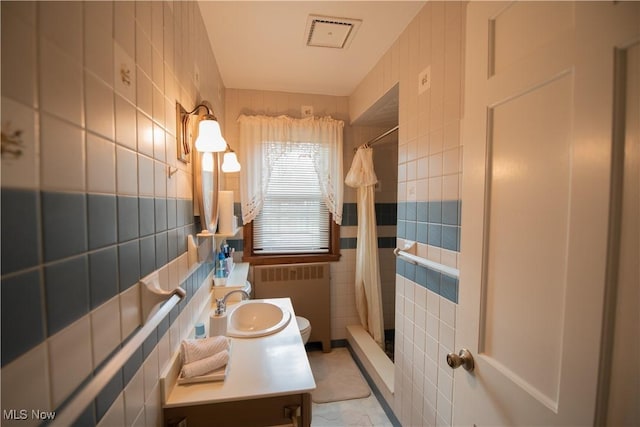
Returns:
point(327, 31)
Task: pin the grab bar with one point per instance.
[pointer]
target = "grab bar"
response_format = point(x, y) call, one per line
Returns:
point(73, 410)
point(432, 265)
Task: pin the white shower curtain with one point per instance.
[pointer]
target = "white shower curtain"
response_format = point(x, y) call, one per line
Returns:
point(368, 288)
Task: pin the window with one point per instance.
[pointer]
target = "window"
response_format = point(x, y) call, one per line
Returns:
point(294, 217)
point(291, 188)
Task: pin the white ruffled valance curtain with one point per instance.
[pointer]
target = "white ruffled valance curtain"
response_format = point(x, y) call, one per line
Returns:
point(368, 287)
point(264, 139)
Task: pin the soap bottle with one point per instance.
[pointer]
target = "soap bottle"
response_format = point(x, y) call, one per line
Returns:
point(218, 321)
point(222, 266)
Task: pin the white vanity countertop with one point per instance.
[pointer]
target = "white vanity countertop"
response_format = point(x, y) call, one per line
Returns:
point(258, 367)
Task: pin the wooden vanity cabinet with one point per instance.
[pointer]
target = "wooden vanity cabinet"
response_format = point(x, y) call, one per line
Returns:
point(268, 411)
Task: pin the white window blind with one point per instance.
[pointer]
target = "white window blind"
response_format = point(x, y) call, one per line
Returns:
point(294, 217)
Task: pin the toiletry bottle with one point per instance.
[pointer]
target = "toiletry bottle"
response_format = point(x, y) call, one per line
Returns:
point(200, 333)
point(222, 266)
point(218, 324)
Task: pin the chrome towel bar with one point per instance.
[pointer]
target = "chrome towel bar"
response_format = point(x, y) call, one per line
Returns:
point(432, 265)
point(74, 409)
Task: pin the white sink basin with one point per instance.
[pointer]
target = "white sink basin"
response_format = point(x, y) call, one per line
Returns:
point(252, 319)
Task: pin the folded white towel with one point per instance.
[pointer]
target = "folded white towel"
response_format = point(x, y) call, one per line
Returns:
point(206, 365)
point(192, 350)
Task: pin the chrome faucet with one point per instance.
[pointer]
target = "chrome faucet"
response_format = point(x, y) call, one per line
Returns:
point(221, 303)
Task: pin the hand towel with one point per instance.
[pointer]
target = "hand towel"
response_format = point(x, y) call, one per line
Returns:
point(193, 350)
point(206, 365)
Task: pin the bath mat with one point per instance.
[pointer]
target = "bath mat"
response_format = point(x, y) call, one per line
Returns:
point(337, 377)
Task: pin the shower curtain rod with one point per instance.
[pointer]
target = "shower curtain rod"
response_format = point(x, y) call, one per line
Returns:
point(377, 138)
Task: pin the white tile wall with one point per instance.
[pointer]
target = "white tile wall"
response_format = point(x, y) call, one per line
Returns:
point(62, 155)
point(70, 359)
point(98, 41)
point(99, 109)
point(130, 315)
point(61, 85)
point(146, 177)
point(151, 373)
point(19, 82)
point(126, 171)
point(106, 332)
point(101, 165)
point(160, 178)
point(145, 135)
point(125, 118)
point(93, 87)
point(134, 398)
point(115, 414)
point(33, 365)
point(429, 169)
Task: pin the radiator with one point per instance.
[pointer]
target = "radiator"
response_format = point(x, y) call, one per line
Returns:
point(309, 289)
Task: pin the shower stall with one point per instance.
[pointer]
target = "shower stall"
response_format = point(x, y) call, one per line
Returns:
point(376, 160)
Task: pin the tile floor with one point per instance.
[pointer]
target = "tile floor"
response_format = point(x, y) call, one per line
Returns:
point(365, 412)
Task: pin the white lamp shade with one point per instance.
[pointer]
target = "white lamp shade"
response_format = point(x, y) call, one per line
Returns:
point(230, 162)
point(209, 137)
point(207, 162)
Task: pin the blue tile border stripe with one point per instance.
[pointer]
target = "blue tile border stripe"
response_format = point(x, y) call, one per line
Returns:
point(386, 214)
point(436, 223)
point(352, 242)
point(91, 246)
point(439, 283)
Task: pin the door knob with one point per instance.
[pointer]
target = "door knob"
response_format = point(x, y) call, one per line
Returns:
point(463, 358)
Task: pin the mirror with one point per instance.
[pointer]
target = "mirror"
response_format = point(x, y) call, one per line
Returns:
point(207, 185)
point(206, 160)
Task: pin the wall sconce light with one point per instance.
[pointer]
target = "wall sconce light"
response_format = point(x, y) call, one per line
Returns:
point(230, 162)
point(209, 138)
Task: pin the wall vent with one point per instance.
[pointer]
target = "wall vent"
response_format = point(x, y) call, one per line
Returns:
point(327, 31)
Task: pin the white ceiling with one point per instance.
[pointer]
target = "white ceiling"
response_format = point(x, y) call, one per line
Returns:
point(261, 44)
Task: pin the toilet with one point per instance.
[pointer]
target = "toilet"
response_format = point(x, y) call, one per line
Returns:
point(305, 328)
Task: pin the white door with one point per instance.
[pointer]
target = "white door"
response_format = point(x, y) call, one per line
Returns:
point(537, 163)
